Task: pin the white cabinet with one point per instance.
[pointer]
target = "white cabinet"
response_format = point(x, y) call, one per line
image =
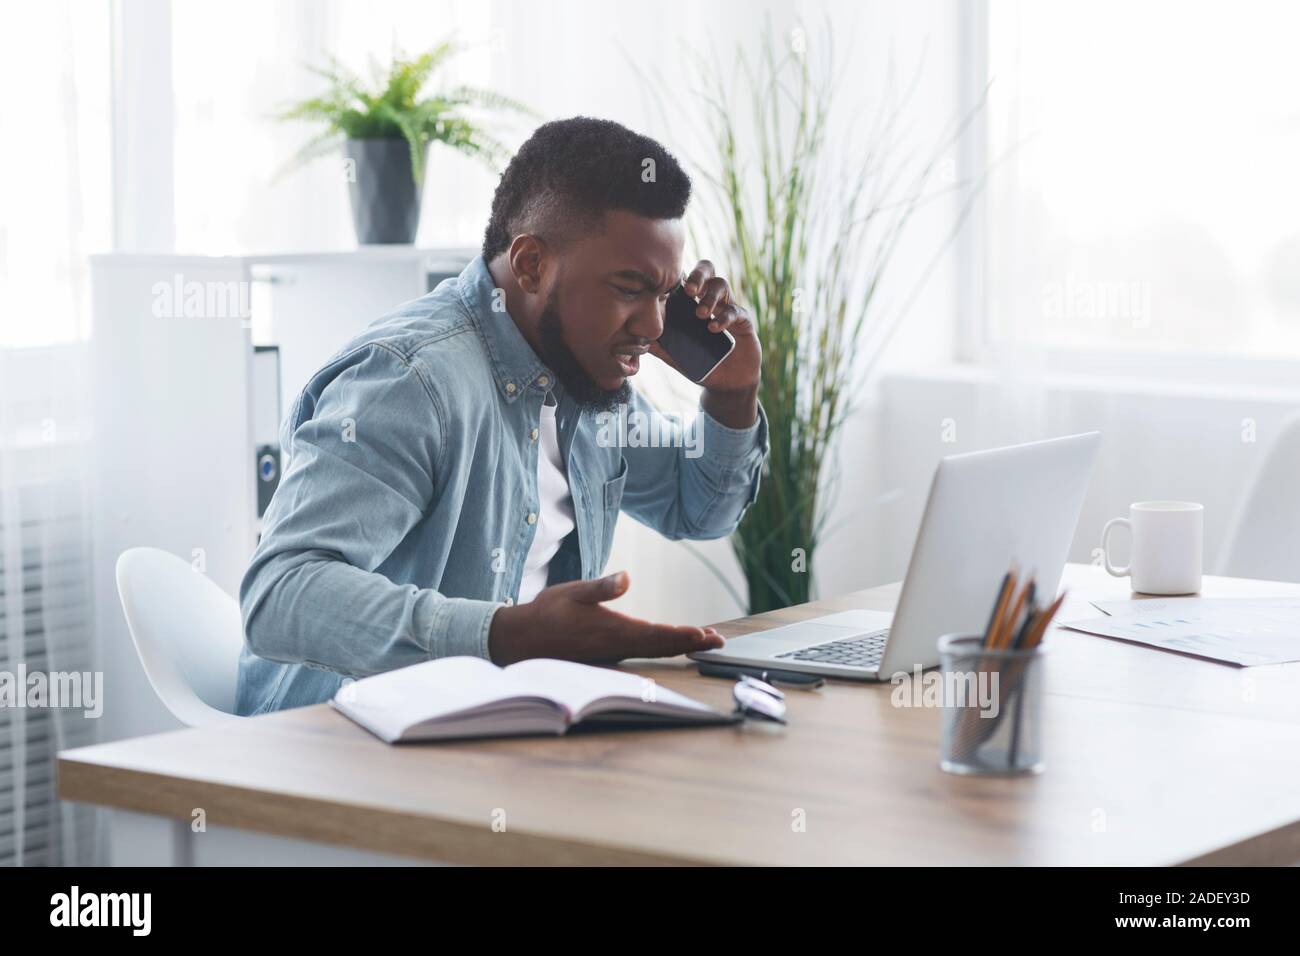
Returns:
point(309, 305)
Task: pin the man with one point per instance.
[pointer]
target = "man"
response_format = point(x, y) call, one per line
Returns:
point(448, 489)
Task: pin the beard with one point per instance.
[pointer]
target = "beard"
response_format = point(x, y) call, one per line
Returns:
point(575, 380)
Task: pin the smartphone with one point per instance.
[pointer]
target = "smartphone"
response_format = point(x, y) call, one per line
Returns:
point(687, 338)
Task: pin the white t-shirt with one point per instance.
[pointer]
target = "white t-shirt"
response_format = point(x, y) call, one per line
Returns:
point(555, 515)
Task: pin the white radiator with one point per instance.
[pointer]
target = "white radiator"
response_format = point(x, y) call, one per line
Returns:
point(45, 627)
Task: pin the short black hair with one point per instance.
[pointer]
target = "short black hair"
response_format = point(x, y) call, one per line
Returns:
point(572, 171)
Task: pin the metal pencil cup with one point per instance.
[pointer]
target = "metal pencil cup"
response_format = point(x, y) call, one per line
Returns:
point(992, 702)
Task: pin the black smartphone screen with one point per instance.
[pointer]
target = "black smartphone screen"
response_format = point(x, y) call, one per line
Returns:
point(687, 338)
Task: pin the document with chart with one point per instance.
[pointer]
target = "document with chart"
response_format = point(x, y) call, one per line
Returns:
point(1245, 631)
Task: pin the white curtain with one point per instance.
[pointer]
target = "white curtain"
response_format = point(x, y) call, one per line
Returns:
point(1145, 196)
point(55, 176)
point(1140, 246)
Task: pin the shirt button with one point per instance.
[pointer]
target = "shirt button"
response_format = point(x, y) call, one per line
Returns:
point(533, 434)
point(543, 381)
point(510, 602)
point(510, 387)
point(532, 518)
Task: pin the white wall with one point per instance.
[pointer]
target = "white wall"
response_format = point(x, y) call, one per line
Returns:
point(1197, 443)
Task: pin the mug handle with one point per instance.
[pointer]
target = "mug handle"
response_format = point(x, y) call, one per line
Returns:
point(1105, 548)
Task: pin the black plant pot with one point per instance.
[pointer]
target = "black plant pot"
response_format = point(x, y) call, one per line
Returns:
point(385, 197)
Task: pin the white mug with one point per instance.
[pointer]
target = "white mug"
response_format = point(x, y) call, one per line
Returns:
point(1168, 538)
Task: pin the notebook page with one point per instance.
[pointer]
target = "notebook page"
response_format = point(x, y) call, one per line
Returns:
point(428, 691)
point(577, 686)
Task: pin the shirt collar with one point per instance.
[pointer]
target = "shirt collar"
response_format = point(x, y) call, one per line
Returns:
point(515, 365)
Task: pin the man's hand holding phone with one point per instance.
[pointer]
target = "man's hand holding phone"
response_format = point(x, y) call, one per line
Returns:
point(730, 389)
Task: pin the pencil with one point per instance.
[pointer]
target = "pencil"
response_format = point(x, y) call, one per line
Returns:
point(1040, 628)
point(1031, 618)
point(992, 637)
point(1004, 609)
point(1004, 594)
point(997, 603)
point(1033, 639)
point(1008, 628)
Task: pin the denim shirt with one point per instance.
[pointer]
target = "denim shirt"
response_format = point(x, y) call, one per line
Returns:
point(408, 498)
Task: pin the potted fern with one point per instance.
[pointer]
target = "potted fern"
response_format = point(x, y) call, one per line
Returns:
point(385, 129)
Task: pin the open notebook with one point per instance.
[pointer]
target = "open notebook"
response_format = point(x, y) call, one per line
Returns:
point(470, 697)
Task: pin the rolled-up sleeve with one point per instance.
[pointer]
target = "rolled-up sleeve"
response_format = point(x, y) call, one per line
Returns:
point(361, 470)
point(702, 486)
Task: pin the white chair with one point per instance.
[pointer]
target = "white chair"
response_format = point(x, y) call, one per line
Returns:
point(187, 632)
point(1265, 537)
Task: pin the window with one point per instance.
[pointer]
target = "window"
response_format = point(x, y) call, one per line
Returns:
point(55, 169)
point(236, 64)
point(1145, 196)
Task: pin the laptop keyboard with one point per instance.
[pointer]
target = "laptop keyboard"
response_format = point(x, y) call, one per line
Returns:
point(862, 650)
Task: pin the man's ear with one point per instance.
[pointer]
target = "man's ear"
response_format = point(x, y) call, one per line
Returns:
point(528, 262)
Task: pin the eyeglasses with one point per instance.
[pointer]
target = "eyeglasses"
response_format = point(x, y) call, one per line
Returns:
point(759, 699)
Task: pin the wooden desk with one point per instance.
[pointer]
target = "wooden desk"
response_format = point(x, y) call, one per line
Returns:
point(1152, 758)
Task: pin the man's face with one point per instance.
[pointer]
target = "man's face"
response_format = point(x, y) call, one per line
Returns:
point(606, 305)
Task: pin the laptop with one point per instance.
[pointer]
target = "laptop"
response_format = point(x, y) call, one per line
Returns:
point(986, 510)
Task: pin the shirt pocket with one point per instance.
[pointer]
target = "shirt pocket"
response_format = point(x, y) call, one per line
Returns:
point(613, 499)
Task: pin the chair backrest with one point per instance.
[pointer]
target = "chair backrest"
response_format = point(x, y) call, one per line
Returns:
point(1265, 538)
point(187, 632)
